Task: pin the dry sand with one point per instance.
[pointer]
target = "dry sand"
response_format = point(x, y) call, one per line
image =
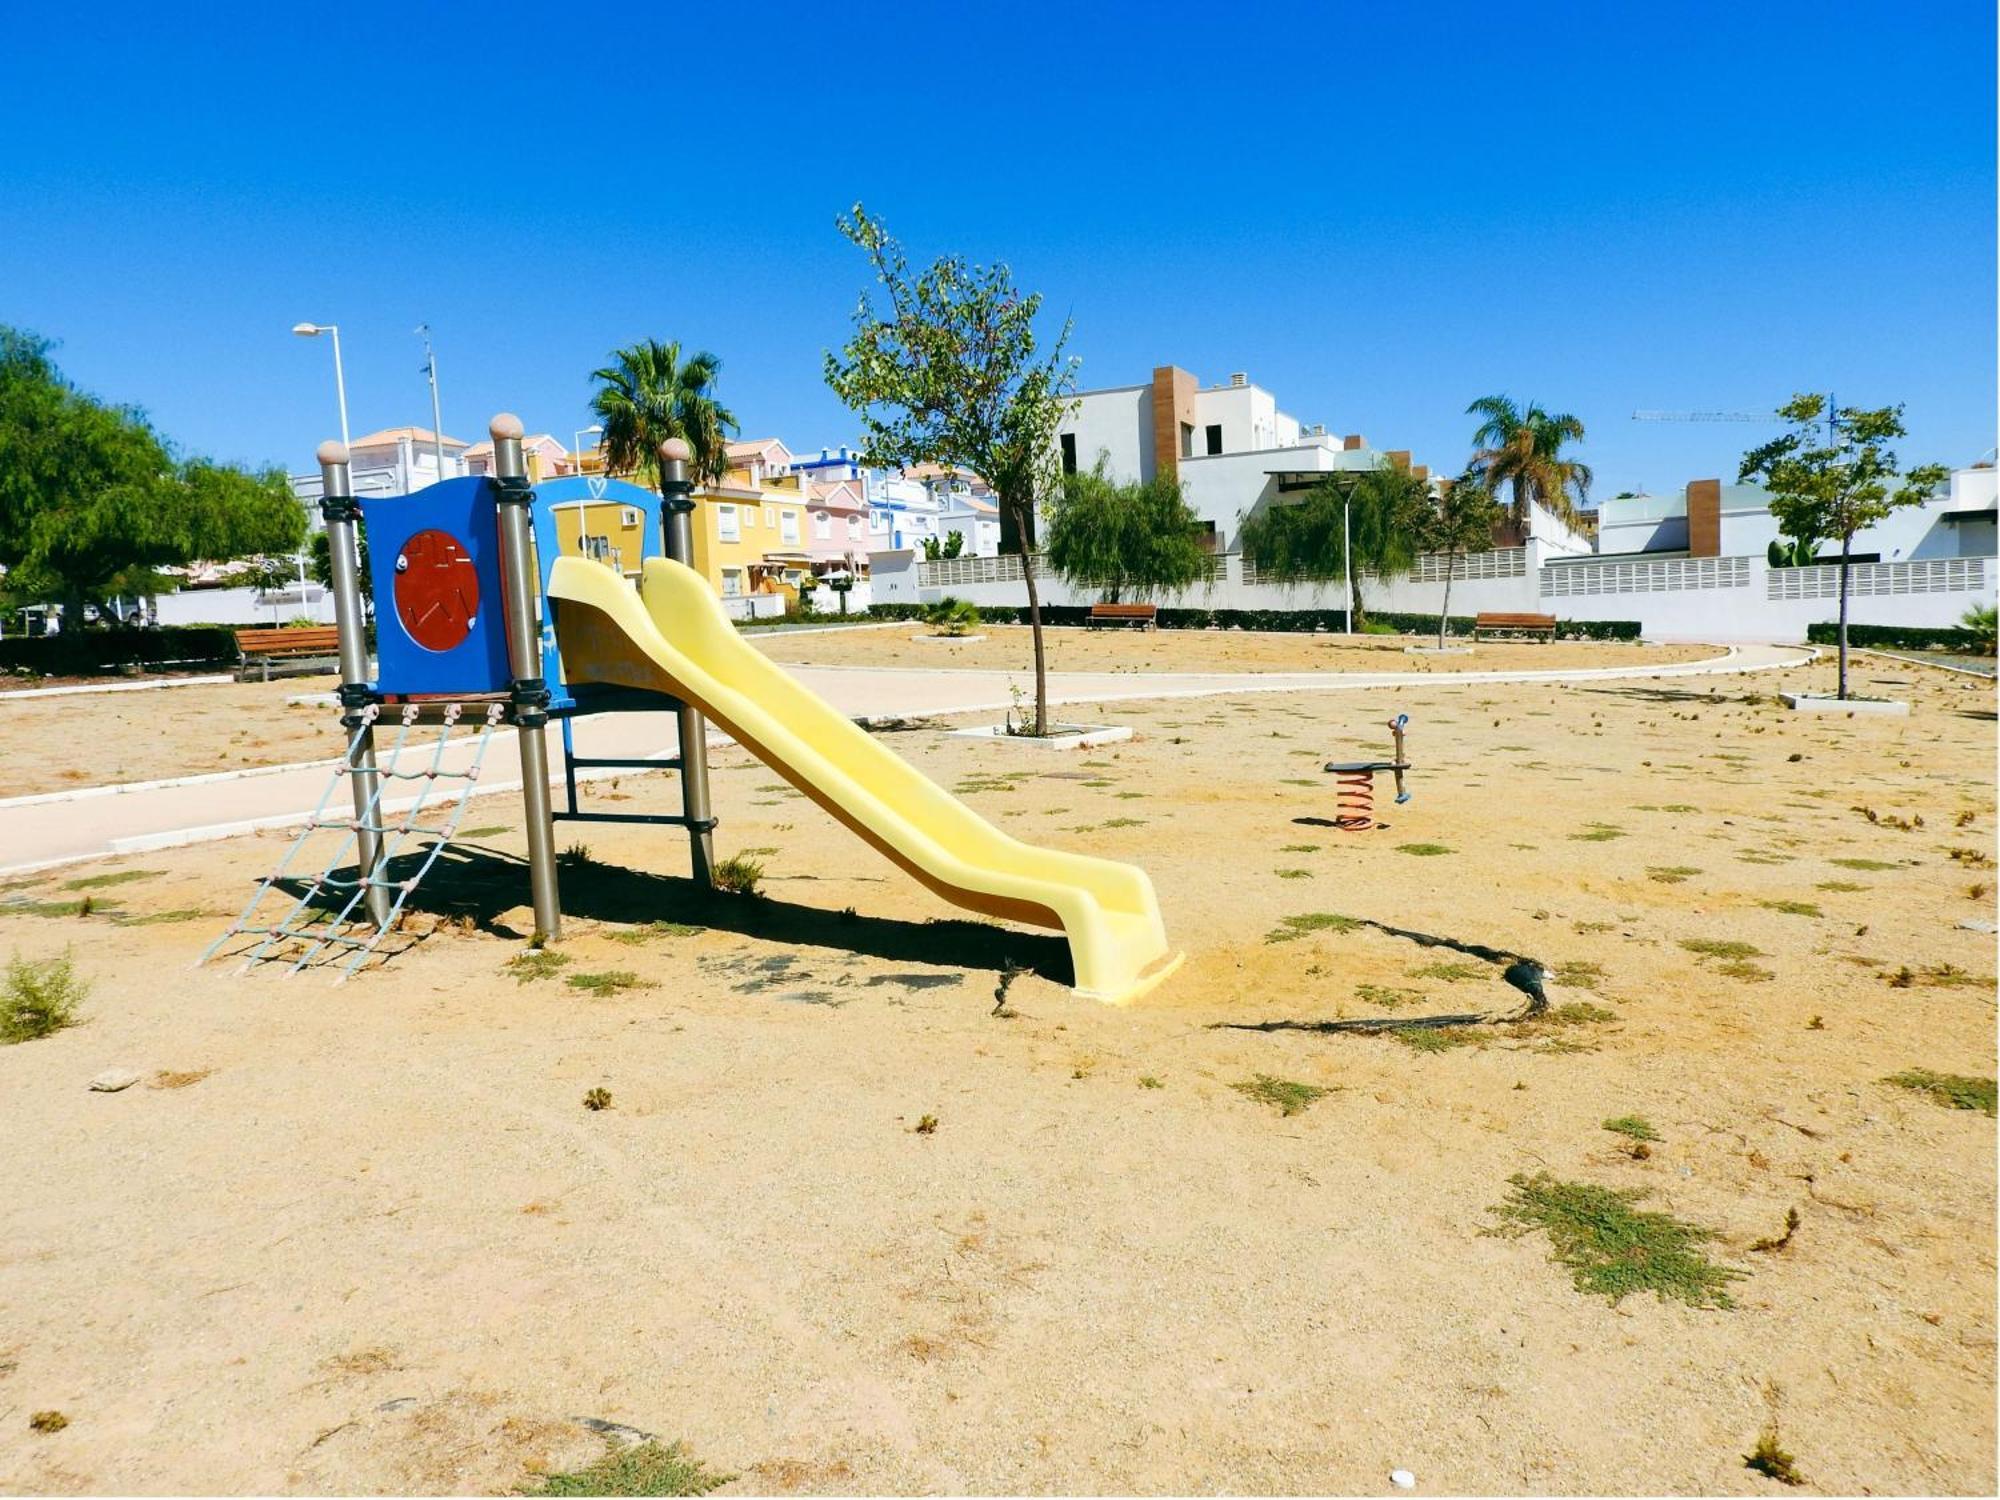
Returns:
point(1078, 649)
point(379, 1245)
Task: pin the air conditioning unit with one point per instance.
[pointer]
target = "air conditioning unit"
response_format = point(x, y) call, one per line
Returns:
point(1239, 378)
point(628, 515)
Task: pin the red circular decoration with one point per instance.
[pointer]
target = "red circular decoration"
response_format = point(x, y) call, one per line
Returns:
point(437, 590)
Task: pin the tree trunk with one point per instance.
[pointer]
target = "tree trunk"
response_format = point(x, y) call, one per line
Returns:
point(1035, 626)
point(1444, 613)
point(1357, 611)
point(1846, 542)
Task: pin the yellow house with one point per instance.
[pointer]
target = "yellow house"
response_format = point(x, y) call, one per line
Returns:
point(749, 533)
point(607, 530)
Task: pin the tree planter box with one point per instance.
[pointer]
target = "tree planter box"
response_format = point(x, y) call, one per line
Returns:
point(1814, 703)
point(1060, 736)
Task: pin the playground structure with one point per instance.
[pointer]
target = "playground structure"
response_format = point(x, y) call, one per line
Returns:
point(1355, 796)
point(483, 616)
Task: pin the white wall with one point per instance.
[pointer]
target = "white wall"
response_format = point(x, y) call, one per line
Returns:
point(242, 606)
point(1117, 423)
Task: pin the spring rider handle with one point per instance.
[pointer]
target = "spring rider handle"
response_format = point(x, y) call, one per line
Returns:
point(1396, 727)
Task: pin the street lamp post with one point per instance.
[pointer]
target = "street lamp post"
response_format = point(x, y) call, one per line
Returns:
point(581, 434)
point(437, 415)
point(314, 330)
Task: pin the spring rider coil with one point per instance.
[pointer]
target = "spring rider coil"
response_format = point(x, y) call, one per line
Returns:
point(1355, 793)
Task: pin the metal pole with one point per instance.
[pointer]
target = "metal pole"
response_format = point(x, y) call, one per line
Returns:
point(337, 508)
point(340, 389)
point(677, 536)
point(520, 589)
point(437, 416)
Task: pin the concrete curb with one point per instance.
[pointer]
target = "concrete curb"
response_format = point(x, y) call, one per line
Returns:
point(116, 687)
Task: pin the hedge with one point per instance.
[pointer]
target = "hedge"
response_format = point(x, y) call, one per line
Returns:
point(1305, 620)
point(1901, 637)
point(89, 653)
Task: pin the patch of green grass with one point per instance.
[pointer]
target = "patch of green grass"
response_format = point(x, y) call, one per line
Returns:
point(1792, 908)
point(1449, 972)
point(1721, 948)
point(1282, 1094)
point(1599, 833)
point(1293, 874)
point(648, 1468)
point(1612, 1248)
point(1839, 885)
point(1298, 925)
point(1424, 849)
point(608, 982)
point(1953, 1090)
point(1773, 1462)
point(1743, 969)
point(536, 963)
point(1865, 864)
point(178, 914)
point(575, 857)
point(1431, 1038)
point(83, 906)
point(1681, 807)
point(1638, 1127)
point(632, 937)
point(1298, 849)
point(1670, 874)
point(761, 850)
point(1148, 1081)
point(738, 875)
point(1387, 996)
point(1298, 781)
point(115, 877)
point(1578, 1013)
point(1123, 823)
point(39, 997)
point(1578, 974)
point(491, 831)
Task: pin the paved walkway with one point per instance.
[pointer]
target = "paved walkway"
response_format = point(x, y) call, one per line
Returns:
point(68, 826)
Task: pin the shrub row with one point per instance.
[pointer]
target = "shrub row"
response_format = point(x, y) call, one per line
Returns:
point(88, 653)
point(1266, 619)
point(1901, 637)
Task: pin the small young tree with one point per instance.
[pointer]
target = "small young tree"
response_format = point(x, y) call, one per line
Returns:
point(950, 545)
point(1831, 476)
point(1138, 538)
point(948, 372)
point(1457, 521)
point(1308, 539)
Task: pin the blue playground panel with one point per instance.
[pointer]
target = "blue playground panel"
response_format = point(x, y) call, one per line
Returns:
point(448, 638)
point(588, 491)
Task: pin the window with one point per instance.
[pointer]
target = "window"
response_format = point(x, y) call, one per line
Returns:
point(1069, 452)
point(628, 516)
point(878, 521)
point(732, 582)
point(725, 523)
point(1214, 437)
point(854, 528)
point(770, 516)
point(822, 525)
point(1187, 440)
point(788, 527)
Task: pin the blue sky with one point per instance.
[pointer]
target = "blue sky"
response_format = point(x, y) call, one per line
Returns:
point(1379, 211)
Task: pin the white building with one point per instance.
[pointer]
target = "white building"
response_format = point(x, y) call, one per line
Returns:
point(394, 461)
point(902, 512)
point(1230, 446)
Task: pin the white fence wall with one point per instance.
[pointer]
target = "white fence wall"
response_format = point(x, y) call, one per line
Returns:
point(1705, 598)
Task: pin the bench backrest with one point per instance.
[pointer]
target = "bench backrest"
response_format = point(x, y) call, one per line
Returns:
point(1125, 611)
point(1539, 622)
point(265, 640)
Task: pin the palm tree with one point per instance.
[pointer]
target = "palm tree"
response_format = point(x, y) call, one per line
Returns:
point(648, 394)
point(1523, 449)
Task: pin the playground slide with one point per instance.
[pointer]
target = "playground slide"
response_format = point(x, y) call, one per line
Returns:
point(670, 635)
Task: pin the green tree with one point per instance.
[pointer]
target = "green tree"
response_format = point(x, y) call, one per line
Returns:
point(93, 501)
point(1832, 476)
point(949, 372)
point(648, 394)
point(1523, 450)
point(1307, 538)
point(1456, 520)
point(1141, 539)
point(319, 565)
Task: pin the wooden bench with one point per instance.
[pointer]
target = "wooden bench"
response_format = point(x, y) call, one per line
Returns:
point(1144, 616)
point(298, 648)
point(1494, 626)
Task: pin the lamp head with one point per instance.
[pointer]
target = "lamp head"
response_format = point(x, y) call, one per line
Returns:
point(306, 330)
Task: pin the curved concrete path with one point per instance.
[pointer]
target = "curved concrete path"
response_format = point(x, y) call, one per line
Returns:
point(90, 823)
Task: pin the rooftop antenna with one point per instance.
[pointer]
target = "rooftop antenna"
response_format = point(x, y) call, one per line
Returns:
point(437, 418)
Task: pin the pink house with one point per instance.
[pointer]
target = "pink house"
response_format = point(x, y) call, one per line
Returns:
point(837, 526)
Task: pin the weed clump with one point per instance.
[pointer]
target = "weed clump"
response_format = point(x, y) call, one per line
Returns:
point(1423, 849)
point(609, 982)
point(1792, 908)
point(1282, 1094)
point(646, 932)
point(1721, 948)
point(648, 1468)
point(1431, 1038)
point(1612, 1248)
point(1953, 1090)
point(1773, 1462)
point(536, 963)
point(1670, 874)
point(738, 876)
point(48, 1421)
point(39, 998)
point(1638, 1127)
point(1298, 925)
point(597, 1099)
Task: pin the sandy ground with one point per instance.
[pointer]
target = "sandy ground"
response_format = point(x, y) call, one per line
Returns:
point(1077, 649)
point(374, 1242)
point(53, 744)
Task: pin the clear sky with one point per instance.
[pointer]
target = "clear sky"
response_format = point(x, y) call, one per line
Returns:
point(1379, 211)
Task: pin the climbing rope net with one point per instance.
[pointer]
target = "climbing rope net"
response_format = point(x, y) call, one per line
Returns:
point(328, 917)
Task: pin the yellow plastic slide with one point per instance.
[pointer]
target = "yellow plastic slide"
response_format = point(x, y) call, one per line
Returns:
point(670, 635)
